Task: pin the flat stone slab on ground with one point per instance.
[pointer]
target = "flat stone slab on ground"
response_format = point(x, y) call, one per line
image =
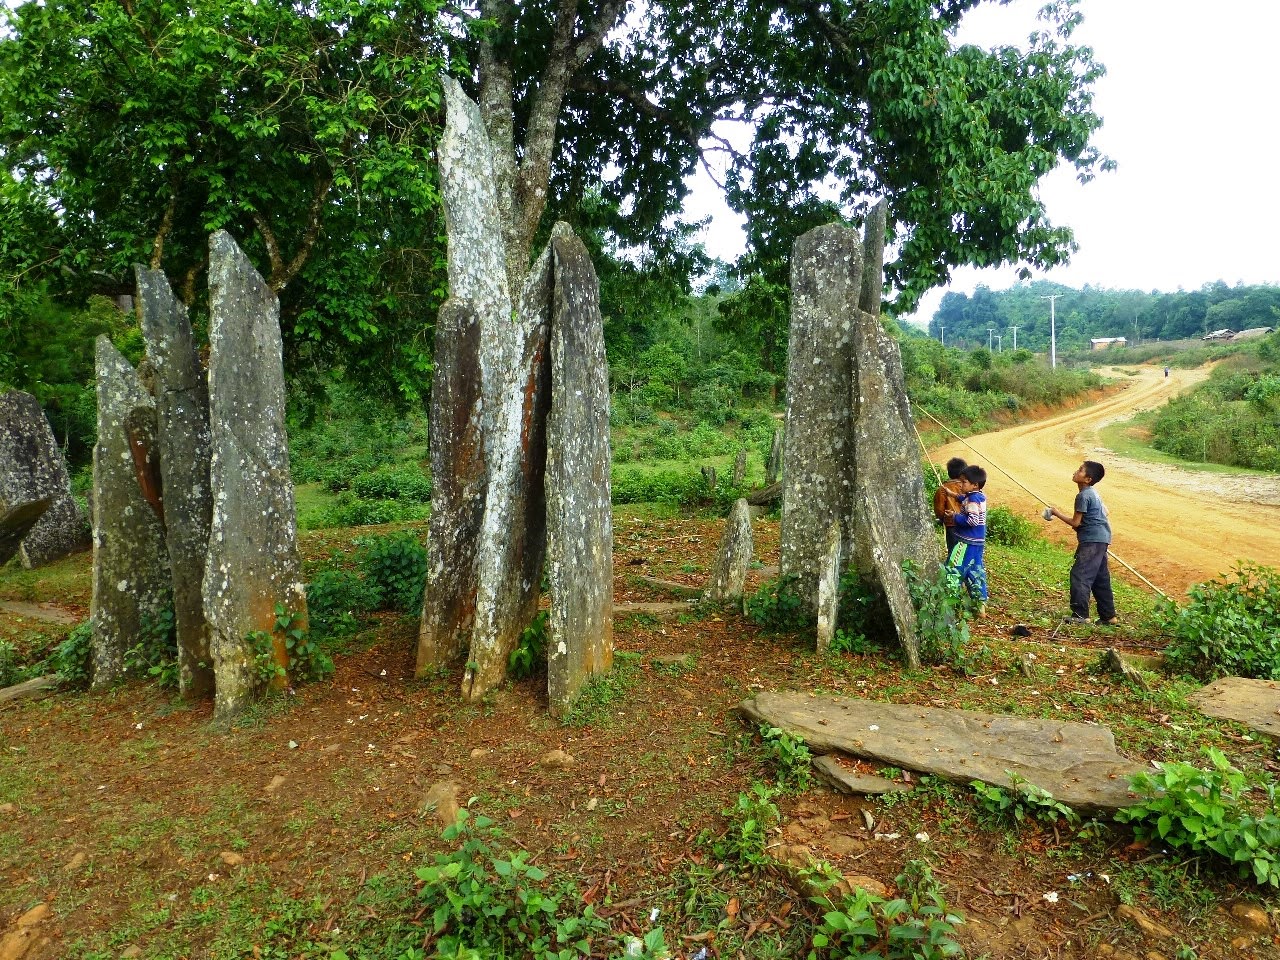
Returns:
point(1255, 703)
point(1075, 762)
point(841, 778)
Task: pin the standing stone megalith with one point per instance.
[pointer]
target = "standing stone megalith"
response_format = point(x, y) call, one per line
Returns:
point(817, 474)
point(32, 469)
point(514, 368)
point(182, 433)
point(728, 579)
point(131, 581)
point(579, 517)
point(16, 522)
point(253, 565)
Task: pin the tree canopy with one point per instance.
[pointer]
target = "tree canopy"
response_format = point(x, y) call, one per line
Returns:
point(140, 125)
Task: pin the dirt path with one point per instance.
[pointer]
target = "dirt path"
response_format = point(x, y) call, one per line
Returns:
point(1174, 526)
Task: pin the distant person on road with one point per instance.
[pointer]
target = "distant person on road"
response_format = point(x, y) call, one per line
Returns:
point(1089, 572)
point(946, 500)
point(1166, 373)
point(965, 562)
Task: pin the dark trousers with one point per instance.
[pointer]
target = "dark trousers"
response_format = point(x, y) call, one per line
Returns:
point(1089, 575)
point(952, 539)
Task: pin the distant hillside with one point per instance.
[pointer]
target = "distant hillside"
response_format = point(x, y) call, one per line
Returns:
point(1087, 313)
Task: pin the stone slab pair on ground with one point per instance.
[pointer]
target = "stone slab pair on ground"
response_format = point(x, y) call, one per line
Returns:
point(193, 493)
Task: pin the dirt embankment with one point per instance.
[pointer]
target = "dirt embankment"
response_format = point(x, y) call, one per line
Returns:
point(1174, 526)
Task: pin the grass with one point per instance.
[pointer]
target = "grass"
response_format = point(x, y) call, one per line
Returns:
point(1127, 438)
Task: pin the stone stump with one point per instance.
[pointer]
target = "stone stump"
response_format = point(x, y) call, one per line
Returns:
point(32, 469)
point(182, 430)
point(131, 581)
point(739, 468)
point(579, 512)
point(253, 565)
point(817, 477)
point(773, 466)
point(16, 522)
point(728, 579)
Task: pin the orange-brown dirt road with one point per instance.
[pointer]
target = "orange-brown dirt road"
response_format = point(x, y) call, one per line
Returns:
point(1174, 526)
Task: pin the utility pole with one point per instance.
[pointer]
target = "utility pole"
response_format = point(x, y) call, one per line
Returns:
point(990, 331)
point(999, 344)
point(942, 327)
point(1015, 337)
point(1053, 333)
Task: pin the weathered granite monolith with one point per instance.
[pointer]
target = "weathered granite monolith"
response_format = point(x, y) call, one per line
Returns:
point(739, 468)
point(182, 431)
point(457, 488)
point(773, 466)
point(728, 578)
point(31, 469)
point(253, 565)
point(873, 259)
point(16, 522)
point(829, 586)
point(826, 282)
point(579, 514)
point(131, 582)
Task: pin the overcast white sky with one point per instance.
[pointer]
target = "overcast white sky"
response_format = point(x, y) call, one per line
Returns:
point(1191, 111)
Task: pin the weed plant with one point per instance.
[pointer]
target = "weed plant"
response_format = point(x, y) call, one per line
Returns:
point(1023, 802)
point(1230, 626)
point(776, 606)
point(73, 659)
point(790, 757)
point(394, 565)
point(337, 599)
point(530, 653)
point(155, 655)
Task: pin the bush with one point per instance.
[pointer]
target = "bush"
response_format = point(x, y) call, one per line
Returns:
point(1011, 530)
point(364, 513)
point(73, 660)
point(408, 484)
point(1230, 626)
point(335, 601)
point(156, 652)
point(942, 626)
point(776, 606)
point(530, 653)
point(672, 487)
point(395, 567)
point(10, 667)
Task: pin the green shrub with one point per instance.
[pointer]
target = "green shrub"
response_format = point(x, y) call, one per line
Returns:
point(395, 566)
point(156, 653)
point(481, 902)
point(10, 667)
point(407, 484)
point(790, 756)
point(363, 513)
point(1010, 529)
point(336, 599)
point(73, 660)
point(942, 626)
point(1200, 811)
point(673, 487)
point(1229, 626)
point(1022, 802)
point(751, 818)
point(530, 653)
point(776, 606)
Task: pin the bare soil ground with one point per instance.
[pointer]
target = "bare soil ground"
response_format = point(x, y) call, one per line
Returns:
point(1175, 526)
point(134, 827)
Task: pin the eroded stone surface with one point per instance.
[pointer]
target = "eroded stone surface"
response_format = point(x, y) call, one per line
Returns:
point(1255, 703)
point(728, 579)
point(131, 581)
point(829, 587)
point(32, 469)
point(773, 466)
point(182, 434)
point(1075, 762)
point(253, 563)
point(817, 482)
point(457, 488)
point(579, 514)
point(873, 259)
point(841, 778)
point(16, 521)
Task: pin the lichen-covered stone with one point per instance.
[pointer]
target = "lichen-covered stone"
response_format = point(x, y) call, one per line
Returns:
point(733, 557)
point(739, 468)
point(131, 581)
point(32, 469)
point(514, 369)
point(16, 521)
point(579, 517)
point(829, 587)
point(817, 483)
point(182, 432)
point(773, 466)
point(253, 563)
point(873, 259)
point(457, 488)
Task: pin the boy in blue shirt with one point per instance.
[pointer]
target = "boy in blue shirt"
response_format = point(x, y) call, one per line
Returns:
point(965, 562)
point(1089, 572)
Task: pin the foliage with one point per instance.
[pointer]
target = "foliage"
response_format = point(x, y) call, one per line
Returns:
point(73, 659)
point(918, 926)
point(482, 902)
point(306, 660)
point(156, 652)
point(1203, 811)
point(530, 653)
point(792, 761)
point(335, 600)
point(1229, 626)
point(751, 818)
point(400, 483)
point(351, 511)
point(678, 488)
point(395, 565)
point(942, 625)
point(10, 667)
point(1010, 529)
point(1024, 801)
point(864, 619)
point(603, 691)
point(776, 606)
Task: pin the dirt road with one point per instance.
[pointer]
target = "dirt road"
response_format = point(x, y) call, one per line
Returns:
point(1174, 526)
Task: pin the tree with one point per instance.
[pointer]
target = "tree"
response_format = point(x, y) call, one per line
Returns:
point(140, 126)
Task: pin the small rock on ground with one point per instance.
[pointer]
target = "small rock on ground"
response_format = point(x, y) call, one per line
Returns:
point(556, 760)
point(442, 799)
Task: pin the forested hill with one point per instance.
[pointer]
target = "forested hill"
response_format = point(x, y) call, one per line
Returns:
point(1084, 314)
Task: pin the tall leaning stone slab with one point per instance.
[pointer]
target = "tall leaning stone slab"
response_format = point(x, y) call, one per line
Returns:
point(514, 369)
point(891, 521)
point(131, 582)
point(817, 480)
point(579, 514)
point(32, 469)
point(182, 429)
point(253, 563)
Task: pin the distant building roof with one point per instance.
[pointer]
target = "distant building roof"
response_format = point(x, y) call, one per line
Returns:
point(1223, 334)
point(1252, 332)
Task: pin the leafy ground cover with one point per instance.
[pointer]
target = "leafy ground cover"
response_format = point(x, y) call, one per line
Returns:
point(303, 831)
